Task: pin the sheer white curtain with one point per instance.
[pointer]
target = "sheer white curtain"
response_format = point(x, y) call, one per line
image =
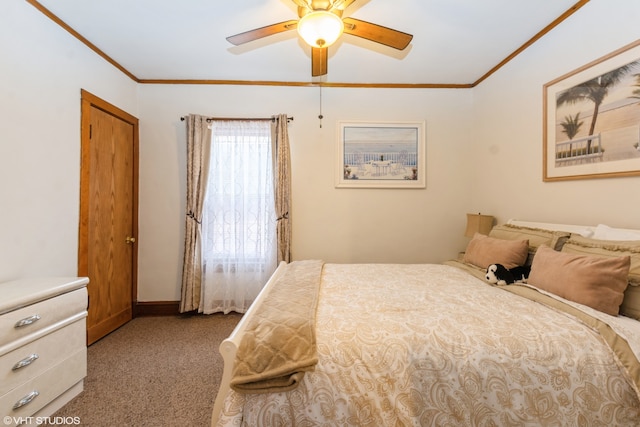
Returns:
point(239, 221)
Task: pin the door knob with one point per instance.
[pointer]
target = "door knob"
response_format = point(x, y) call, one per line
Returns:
point(130, 240)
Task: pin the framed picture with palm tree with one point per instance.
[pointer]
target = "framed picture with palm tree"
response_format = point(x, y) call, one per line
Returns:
point(591, 123)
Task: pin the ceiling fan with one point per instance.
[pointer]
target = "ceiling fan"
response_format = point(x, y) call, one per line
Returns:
point(320, 25)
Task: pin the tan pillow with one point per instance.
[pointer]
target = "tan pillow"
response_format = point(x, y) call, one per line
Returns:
point(631, 304)
point(614, 248)
point(594, 281)
point(484, 251)
point(535, 236)
point(608, 248)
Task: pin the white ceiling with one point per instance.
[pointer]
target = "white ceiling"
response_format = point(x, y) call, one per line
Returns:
point(455, 41)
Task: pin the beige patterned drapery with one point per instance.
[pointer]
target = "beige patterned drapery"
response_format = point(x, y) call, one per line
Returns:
point(198, 154)
point(282, 181)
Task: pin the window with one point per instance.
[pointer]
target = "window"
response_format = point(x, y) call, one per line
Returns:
point(239, 224)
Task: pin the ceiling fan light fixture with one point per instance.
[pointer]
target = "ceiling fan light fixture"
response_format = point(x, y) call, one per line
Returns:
point(320, 28)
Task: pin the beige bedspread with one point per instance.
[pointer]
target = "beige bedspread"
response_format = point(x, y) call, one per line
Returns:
point(451, 350)
point(280, 340)
point(617, 343)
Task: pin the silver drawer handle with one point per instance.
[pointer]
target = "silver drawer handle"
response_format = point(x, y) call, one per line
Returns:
point(26, 400)
point(25, 362)
point(27, 321)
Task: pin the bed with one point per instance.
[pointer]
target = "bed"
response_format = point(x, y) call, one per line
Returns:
point(435, 344)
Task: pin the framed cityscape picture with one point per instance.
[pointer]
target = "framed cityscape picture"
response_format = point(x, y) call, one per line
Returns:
point(381, 155)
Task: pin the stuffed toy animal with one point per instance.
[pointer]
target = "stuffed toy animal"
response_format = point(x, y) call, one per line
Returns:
point(499, 275)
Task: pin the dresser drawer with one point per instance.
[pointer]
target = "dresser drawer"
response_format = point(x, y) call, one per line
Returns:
point(49, 385)
point(39, 316)
point(40, 355)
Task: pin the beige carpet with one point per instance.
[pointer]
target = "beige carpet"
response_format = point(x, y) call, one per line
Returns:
point(154, 371)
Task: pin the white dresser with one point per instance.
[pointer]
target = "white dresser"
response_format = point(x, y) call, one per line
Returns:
point(43, 352)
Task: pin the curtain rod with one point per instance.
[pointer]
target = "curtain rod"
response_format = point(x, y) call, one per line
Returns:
point(271, 119)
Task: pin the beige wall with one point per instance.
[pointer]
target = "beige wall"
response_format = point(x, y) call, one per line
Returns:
point(508, 122)
point(337, 225)
point(483, 152)
point(42, 69)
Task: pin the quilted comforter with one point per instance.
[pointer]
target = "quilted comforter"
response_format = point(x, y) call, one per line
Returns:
point(403, 345)
point(279, 344)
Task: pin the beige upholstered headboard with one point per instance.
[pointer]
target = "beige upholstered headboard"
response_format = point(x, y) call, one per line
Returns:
point(600, 231)
point(583, 230)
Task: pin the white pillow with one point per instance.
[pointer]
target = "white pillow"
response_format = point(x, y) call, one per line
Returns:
point(604, 232)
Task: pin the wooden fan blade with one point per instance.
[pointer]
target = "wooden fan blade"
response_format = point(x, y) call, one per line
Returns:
point(377, 33)
point(259, 33)
point(319, 60)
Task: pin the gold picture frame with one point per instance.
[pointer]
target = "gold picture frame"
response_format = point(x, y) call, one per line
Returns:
point(591, 125)
point(381, 155)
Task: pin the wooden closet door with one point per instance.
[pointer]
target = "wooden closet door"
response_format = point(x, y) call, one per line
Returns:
point(108, 226)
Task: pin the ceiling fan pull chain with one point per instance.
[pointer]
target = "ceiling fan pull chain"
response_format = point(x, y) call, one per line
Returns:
point(320, 116)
